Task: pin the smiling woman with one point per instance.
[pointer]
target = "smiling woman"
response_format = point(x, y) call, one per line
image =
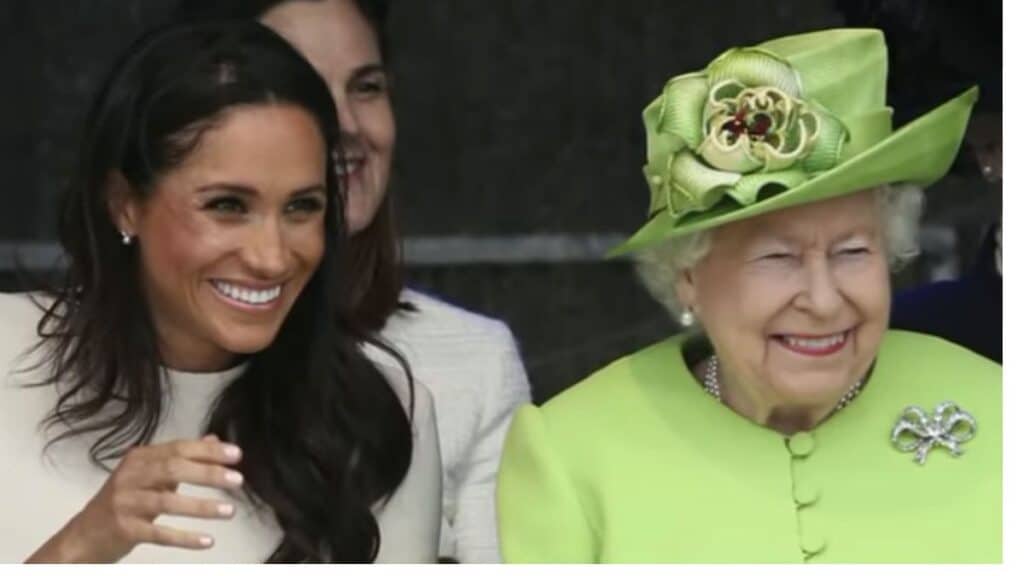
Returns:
point(471, 363)
point(777, 426)
point(203, 391)
point(230, 238)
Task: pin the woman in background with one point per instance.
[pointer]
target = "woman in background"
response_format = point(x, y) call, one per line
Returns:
point(201, 386)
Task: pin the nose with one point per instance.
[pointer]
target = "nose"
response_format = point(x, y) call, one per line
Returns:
point(821, 295)
point(266, 253)
point(347, 120)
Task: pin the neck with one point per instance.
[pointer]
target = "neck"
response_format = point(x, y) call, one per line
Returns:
point(769, 410)
point(782, 417)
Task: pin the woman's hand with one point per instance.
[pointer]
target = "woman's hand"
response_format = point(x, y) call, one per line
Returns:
point(143, 486)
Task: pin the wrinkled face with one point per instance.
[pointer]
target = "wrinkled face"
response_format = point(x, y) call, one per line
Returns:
point(228, 239)
point(342, 46)
point(796, 301)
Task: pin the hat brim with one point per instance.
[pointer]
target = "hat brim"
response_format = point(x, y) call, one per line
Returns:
point(920, 152)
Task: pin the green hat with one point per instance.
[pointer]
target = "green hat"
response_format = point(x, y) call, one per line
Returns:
point(790, 121)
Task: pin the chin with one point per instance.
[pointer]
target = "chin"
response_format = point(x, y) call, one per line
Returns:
point(360, 209)
point(253, 342)
point(811, 386)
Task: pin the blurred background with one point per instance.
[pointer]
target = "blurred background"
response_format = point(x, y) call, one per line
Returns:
point(520, 143)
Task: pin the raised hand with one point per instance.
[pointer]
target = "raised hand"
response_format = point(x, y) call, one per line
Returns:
point(143, 486)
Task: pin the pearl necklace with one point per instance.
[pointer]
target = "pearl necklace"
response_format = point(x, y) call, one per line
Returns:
point(712, 387)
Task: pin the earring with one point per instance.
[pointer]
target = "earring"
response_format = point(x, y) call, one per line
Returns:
point(126, 238)
point(686, 318)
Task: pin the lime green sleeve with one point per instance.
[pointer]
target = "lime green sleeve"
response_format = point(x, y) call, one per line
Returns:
point(540, 519)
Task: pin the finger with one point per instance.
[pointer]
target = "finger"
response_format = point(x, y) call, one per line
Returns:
point(167, 536)
point(200, 450)
point(151, 504)
point(173, 471)
point(211, 438)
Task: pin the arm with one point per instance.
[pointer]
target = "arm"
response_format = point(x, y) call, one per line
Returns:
point(475, 523)
point(539, 514)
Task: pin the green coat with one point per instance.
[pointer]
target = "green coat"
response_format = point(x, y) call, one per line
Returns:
point(638, 464)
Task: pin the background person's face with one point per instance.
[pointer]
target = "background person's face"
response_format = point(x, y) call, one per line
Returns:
point(795, 301)
point(342, 46)
point(229, 239)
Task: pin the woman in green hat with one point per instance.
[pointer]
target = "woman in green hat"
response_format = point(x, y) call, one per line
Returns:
point(786, 423)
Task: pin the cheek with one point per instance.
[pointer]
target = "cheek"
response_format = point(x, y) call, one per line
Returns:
point(179, 245)
point(378, 122)
point(306, 242)
point(742, 308)
point(758, 298)
point(868, 289)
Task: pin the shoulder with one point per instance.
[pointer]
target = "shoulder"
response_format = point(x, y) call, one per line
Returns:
point(934, 355)
point(453, 349)
point(620, 390)
point(924, 370)
point(20, 308)
point(19, 317)
point(435, 320)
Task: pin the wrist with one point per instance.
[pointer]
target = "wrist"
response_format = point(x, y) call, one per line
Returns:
point(66, 546)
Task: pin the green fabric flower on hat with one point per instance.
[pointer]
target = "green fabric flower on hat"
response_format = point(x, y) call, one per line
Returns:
point(734, 129)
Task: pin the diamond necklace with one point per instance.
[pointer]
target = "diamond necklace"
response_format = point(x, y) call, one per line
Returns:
point(712, 387)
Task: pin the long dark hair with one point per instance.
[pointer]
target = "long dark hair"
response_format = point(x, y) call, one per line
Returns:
point(375, 255)
point(325, 437)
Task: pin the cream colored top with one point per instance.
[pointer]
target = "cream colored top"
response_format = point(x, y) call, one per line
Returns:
point(472, 366)
point(40, 493)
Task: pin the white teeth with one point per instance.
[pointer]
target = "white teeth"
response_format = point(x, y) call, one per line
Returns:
point(815, 343)
point(245, 295)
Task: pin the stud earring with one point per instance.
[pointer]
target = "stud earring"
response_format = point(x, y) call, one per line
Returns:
point(686, 318)
point(126, 238)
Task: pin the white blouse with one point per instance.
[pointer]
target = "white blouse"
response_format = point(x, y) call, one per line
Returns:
point(472, 366)
point(40, 491)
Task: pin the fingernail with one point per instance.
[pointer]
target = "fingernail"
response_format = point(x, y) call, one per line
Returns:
point(205, 541)
point(225, 509)
point(232, 451)
point(233, 477)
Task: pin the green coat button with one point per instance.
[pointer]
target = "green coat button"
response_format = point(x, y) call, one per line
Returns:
point(800, 444)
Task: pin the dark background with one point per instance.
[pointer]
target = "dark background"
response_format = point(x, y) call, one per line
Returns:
point(518, 120)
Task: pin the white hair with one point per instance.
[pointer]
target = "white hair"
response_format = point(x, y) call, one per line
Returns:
point(659, 266)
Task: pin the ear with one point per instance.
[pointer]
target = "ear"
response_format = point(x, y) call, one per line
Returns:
point(122, 204)
point(686, 289)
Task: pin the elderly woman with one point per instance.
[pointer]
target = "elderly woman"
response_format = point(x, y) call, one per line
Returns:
point(195, 390)
point(786, 424)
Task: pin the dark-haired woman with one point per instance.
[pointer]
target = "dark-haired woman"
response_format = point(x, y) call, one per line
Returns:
point(469, 362)
point(194, 390)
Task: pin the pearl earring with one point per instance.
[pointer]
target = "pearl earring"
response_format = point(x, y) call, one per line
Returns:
point(686, 318)
point(126, 238)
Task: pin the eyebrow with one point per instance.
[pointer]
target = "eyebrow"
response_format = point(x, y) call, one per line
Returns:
point(369, 69)
point(244, 190)
point(791, 241)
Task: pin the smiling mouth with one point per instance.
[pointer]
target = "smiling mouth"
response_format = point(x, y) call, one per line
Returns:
point(351, 165)
point(245, 296)
point(814, 345)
